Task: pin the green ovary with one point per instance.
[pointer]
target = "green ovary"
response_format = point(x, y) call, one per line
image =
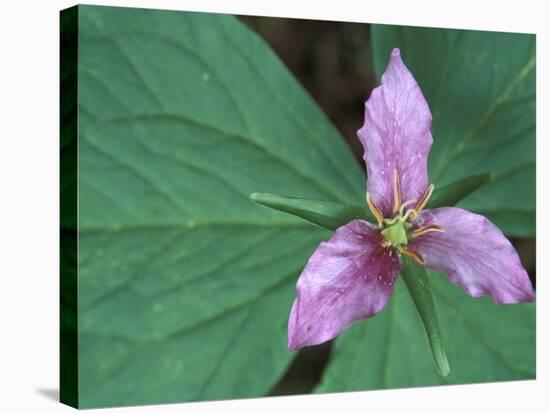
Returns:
point(396, 234)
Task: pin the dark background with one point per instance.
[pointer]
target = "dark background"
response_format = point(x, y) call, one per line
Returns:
point(333, 61)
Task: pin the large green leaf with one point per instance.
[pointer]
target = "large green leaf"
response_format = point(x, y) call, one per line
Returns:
point(481, 90)
point(484, 342)
point(184, 283)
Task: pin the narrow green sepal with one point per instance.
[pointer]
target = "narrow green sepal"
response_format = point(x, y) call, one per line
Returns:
point(331, 215)
point(328, 214)
point(417, 283)
point(451, 194)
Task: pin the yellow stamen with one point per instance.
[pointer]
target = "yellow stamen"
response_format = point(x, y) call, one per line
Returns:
point(424, 199)
point(412, 254)
point(391, 221)
point(396, 192)
point(405, 204)
point(412, 213)
point(375, 211)
point(427, 229)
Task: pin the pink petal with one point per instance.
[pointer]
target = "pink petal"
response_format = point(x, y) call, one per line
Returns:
point(475, 255)
point(348, 278)
point(396, 135)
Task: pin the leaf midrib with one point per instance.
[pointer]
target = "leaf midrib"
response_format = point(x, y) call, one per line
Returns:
point(194, 224)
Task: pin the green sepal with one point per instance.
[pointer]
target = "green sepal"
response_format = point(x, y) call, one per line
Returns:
point(331, 215)
point(328, 214)
point(451, 194)
point(416, 280)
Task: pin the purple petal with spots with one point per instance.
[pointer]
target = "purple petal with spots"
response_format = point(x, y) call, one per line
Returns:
point(396, 135)
point(349, 277)
point(475, 255)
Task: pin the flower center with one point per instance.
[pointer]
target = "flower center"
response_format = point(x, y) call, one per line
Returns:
point(396, 234)
point(396, 230)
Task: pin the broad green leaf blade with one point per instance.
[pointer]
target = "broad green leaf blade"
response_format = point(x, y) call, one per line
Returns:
point(451, 194)
point(326, 214)
point(484, 342)
point(417, 283)
point(480, 87)
point(185, 284)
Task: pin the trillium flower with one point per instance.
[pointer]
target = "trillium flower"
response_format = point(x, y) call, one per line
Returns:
point(352, 275)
